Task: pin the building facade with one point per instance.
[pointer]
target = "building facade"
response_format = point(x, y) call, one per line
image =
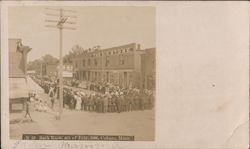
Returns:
point(51, 69)
point(119, 65)
point(149, 68)
point(18, 87)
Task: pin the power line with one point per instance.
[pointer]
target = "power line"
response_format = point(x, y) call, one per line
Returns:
point(56, 21)
point(58, 9)
point(58, 15)
point(62, 19)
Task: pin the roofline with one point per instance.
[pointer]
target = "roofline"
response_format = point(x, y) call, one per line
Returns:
point(106, 49)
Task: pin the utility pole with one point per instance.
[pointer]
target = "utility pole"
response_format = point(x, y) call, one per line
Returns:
point(62, 18)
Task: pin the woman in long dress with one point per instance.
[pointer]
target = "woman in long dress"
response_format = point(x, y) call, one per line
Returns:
point(78, 102)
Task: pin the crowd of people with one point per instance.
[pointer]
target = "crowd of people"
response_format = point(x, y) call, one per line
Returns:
point(100, 98)
point(113, 101)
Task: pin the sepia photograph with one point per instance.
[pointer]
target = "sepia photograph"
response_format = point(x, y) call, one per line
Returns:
point(85, 72)
point(124, 74)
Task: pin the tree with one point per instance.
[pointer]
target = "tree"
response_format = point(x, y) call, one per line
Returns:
point(48, 59)
point(33, 65)
point(75, 50)
point(41, 63)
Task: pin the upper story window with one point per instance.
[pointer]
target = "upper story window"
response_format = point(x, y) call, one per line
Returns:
point(95, 62)
point(121, 60)
point(107, 61)
point(83, 63)
point(89, 62)
point(131, 49)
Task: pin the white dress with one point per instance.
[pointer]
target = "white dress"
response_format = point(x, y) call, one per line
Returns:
point(78, 103)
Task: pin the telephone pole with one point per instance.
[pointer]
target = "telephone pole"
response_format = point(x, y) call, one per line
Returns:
point(59, 23)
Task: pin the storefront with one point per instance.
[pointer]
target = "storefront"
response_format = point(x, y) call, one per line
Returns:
point(19, 93)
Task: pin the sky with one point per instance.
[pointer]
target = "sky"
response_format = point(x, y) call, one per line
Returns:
point(105, 26)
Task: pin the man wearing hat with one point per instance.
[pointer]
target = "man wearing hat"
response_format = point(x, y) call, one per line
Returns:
point(105, 103)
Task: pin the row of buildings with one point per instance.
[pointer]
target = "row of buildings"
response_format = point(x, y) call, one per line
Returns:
point(52, 69)
point(127, 66)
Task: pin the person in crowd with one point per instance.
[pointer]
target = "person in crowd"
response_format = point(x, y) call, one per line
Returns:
point(78, 101)
point(123, 103)
point(105, 103)
point(117, 103)
point(91, 102)
point(51, 95)
point(98, 103)
point(83, 97)
point(27, 109)
point(72, 100)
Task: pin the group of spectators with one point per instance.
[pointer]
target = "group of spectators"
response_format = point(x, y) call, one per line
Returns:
point(112, 101)
point(101, 98)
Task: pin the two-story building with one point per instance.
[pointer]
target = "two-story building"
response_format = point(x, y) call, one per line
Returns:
point(119, 65)
point(149, 68)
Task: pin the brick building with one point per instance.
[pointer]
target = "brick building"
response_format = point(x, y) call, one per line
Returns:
point(119, 65)
point(148, 68)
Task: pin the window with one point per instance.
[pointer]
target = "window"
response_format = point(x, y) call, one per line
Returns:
point(83, 63)
point(76, 64)
point(121, 58)
point(89, 62)
point(107, 61)
point(95, 62)
point(131, 49)
point(126, 50)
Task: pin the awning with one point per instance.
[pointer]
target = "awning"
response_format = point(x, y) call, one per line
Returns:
point(67, 74)
point(18, 88)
